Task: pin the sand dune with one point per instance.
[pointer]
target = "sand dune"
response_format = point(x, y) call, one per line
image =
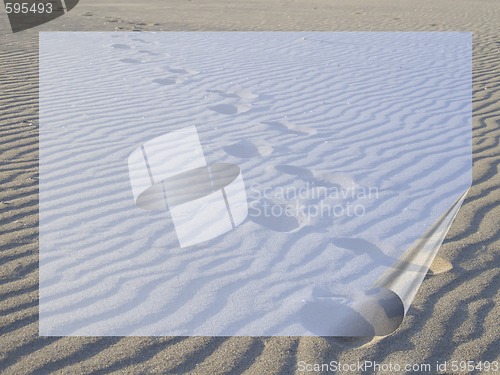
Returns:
point(454, 314)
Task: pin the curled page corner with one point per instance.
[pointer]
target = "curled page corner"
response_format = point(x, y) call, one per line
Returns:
point(380, 310)
point(377, 312)
point(406, 275)
point(170, 172)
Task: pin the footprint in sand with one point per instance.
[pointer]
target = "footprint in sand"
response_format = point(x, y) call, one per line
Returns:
point(275, 216)
point(439, 265)
point(243, 94)
point(300, 172)
point(285, 125)
point(317, 178)
point(247, 95)
point(248, 149)
point(112, 20)
point(180, 75)
point(342, 180)
point(240, 101)
point(230, 109)
point(182, 71)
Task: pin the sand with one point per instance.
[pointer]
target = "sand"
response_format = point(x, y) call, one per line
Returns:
point(342, 120)
point(454, 315)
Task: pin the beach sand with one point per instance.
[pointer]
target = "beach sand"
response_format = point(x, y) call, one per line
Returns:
point(455, 314)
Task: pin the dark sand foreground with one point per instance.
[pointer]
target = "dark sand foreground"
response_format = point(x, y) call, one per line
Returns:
point(455, 316)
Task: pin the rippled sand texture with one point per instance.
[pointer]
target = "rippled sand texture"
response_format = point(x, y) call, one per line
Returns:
point(454, 315)
point(389, 114)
